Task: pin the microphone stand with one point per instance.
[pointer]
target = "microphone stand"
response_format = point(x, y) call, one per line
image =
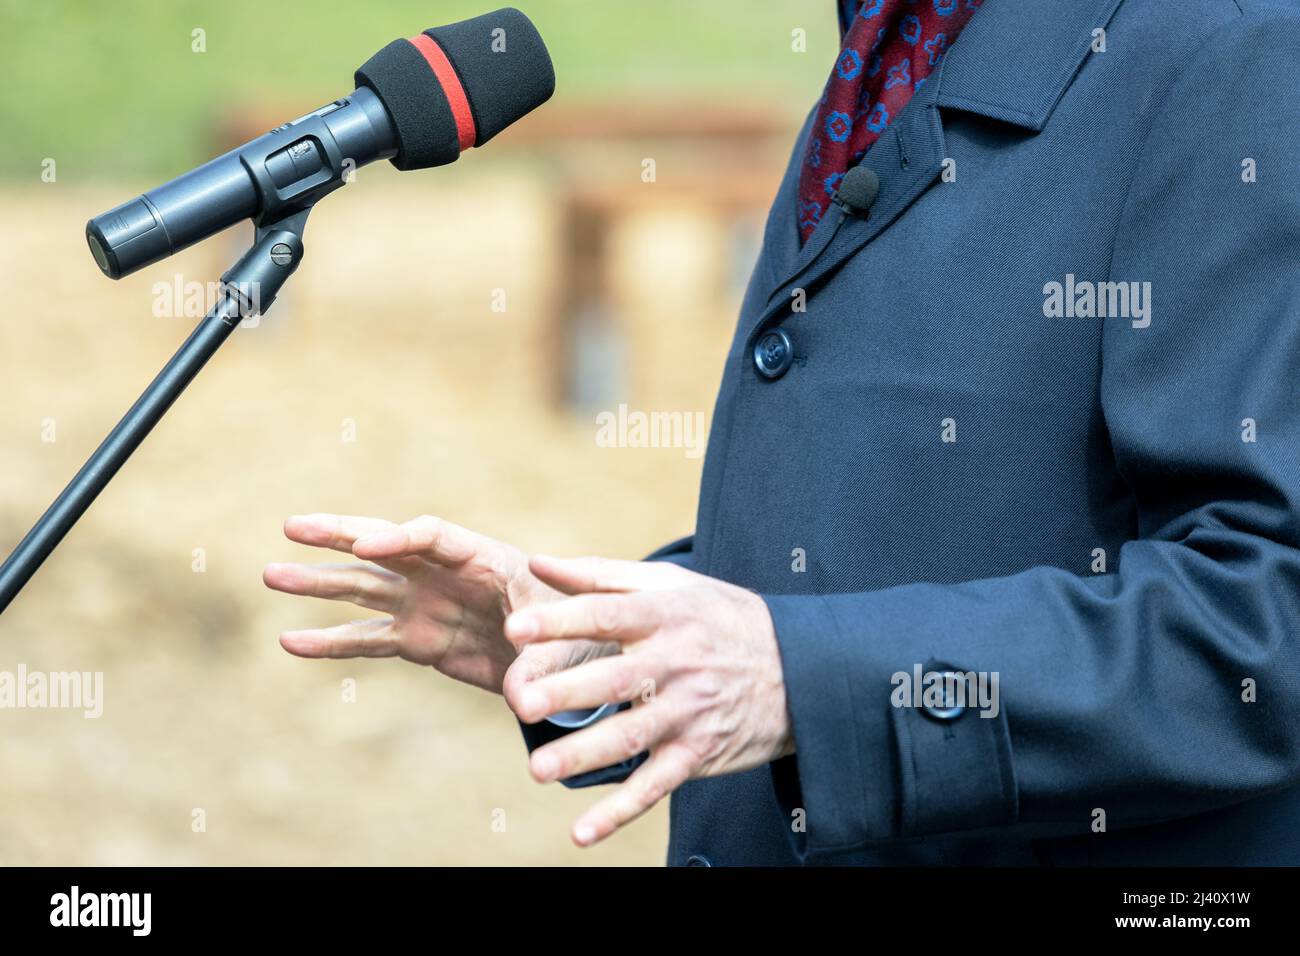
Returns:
point(248, 288)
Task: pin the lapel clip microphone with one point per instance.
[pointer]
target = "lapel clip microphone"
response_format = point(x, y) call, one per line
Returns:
point(857, 191)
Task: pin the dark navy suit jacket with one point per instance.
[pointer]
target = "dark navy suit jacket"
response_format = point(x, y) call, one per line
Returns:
point(1162, 687)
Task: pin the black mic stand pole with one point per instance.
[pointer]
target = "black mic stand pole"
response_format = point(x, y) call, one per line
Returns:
point(248, 288)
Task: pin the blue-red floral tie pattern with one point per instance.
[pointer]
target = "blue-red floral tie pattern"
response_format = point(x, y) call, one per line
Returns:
point(888, 50)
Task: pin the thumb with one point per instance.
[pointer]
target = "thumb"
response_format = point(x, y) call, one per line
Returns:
point(582, 575)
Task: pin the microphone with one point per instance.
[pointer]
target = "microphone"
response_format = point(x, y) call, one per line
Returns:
point(857, 191)
point(419, 102)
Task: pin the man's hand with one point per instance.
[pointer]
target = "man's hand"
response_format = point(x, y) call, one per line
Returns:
point(699, 663)
point(446, 592)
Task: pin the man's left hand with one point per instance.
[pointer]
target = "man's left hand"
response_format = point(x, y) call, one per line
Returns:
point(699, 663)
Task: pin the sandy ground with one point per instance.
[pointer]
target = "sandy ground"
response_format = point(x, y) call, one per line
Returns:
point(395, 340)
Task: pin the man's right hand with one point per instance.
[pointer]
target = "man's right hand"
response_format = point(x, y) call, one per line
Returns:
point(446, 592)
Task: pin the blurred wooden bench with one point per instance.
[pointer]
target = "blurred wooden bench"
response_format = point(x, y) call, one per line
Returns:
point(718, 160)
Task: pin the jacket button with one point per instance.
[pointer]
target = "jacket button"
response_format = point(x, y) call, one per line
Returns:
point(696, 860)
point(773, 353)
point(953, 710)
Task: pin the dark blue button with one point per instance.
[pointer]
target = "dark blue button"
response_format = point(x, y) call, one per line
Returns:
point(696, 860)
point(773, 353)
point(953, 710)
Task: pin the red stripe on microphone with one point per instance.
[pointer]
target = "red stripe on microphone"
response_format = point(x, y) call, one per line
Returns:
point(450, 82)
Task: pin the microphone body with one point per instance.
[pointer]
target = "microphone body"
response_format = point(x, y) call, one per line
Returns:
point(419, 102)
point(277, 174)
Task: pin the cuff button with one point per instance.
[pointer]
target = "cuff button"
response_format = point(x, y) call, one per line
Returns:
point(953, 710)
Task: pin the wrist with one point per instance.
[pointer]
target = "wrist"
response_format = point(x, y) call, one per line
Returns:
point(778, 727)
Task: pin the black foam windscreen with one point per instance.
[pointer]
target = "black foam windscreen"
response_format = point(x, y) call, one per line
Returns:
point(404, 82)
point(503, 65)
point(858, 189)
point(502, 68)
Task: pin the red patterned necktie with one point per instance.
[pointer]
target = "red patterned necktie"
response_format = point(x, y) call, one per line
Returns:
point(889, 49)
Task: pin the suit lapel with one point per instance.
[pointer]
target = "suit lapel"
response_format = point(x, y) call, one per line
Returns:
point(1012, 63)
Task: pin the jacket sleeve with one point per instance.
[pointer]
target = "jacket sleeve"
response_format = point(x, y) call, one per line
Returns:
point(535, 735)
point(1169, 686)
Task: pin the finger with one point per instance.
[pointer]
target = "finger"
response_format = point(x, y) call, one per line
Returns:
point(427, 537)
point(599, 745)
point(609, 617)
point(606, 680)
point(537, 660)
point(362, 584)
point(340, 532)
point(370, 638)
point(579, 575)
point(336, 532)
point(666, 770)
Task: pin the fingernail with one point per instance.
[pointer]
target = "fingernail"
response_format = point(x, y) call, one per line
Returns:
point(583, 834)
point(531, 700)
point(544, 766)
point(521, 625)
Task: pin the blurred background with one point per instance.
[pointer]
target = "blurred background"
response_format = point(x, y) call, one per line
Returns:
point(444, 348)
